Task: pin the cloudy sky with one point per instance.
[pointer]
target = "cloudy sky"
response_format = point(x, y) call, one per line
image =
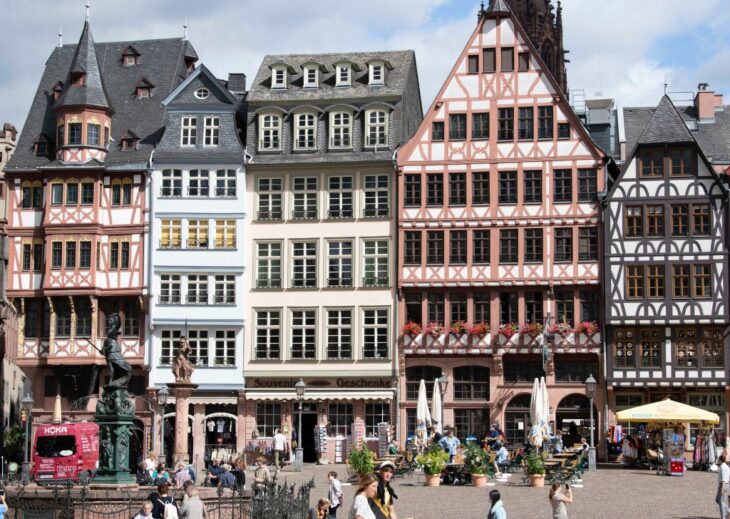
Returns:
point(623, 48)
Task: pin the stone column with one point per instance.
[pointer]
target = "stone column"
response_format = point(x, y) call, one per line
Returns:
point(182, 393)
point(241, 424)
point(198, 436)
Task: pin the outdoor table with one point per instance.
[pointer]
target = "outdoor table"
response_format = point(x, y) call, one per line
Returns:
point(455, 471)
point(566, 455)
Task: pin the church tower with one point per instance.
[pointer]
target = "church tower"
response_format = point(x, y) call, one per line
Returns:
point(544, 25)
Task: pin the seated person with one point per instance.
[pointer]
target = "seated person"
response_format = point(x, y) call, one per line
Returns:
point(502, 460)
point(214, 470)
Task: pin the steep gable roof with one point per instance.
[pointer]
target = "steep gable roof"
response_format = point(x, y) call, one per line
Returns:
point(665, 126)
point(84, 61)
point(201, 70)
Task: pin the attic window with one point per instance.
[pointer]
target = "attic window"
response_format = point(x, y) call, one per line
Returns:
point(129, 143)
point(144, 88)
point(343, 75)
point(129, 59)
point(78, 79)
point(130, 56)
point(311, 77)
point(40, 145)
point(377, 73)
point(202, 93)
point(57, 90)
point(278, 77)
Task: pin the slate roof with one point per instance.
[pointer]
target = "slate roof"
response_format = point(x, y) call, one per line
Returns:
point(161, 61)
point(395, 79)
point(498, 6)
point(665, 126)
point(91, 93)
point(713, 137)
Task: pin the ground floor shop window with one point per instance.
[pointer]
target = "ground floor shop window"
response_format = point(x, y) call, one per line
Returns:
point(410, 422)
point(268, 418)
point(709, 402)
point(340, 419)
point(627, 401)
point(517, 420)
point(375, 413)
point(470, 423)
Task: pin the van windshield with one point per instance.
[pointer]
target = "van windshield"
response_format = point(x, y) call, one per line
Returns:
point(55, 446)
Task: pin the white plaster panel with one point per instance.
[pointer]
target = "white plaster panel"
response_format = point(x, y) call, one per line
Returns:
point(618, 374)
point(507, 33)
point(454, 90)
point(438, 151)
point(525, 82)
point(489, 32)
point(480, 105)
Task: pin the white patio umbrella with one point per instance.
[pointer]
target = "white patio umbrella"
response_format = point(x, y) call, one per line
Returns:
point(545, 416)
point(536, 403)
point(423, 417)
point(436, 418)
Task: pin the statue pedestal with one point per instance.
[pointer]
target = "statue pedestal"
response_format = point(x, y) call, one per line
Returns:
point(182, 392)
point(114, 414)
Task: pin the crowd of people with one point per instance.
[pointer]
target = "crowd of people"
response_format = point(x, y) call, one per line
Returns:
point(161, 505)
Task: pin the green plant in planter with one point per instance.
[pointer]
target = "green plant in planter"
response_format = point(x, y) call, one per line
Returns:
point(476, 460)
point(361, 460)
point(433, 461)
point(534, 464)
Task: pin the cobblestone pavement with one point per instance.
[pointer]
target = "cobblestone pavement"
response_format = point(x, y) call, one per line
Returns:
point(606, 493)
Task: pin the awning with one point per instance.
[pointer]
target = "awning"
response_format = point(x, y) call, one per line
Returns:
point(313, 395)
point(208, 400)
point(667, 410)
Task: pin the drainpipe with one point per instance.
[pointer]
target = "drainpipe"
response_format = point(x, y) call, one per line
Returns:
point(396, 292)
point(148, 256)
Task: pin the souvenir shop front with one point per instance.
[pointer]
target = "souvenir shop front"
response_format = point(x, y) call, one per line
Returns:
point(336, 413)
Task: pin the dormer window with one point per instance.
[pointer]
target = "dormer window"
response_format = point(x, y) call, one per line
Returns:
point(278, 77)
point(78, 79)
point(305, 131)
point(57, 90)
point(202, 93)
point(144, 89)
point(128, 141)
point(377, 73)
point(311, 77)
point(130, 56)
point(40, 145)
point(344, 74)
point(269, 132)
point(129, 60)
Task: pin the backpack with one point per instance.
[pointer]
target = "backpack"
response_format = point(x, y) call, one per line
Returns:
point(170, 510)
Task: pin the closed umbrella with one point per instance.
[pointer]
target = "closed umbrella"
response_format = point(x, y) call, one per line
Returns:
point(423, 417)
point(535, 436)
point(545, 408)
point(436, 417)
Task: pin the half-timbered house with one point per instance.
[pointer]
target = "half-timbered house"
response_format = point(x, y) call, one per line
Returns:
point(666, 268)
point(77, 188)
point(498, 229)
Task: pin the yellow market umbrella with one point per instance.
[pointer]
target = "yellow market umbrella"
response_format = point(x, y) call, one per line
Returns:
point(666, 410)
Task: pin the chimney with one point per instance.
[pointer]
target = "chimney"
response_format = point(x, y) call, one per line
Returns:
point(706, 103)
point(237, 83)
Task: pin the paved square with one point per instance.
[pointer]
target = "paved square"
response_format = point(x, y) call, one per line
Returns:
point(607, 494)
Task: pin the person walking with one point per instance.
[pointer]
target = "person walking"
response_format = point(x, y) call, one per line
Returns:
point(320, 511)
point(383, 502)
point(279, 450)
point(335, 494)
point(558, 500)
point(161, 501)
point(193, 507)
point(496, 510)
point(366, 492)
point(723, 486)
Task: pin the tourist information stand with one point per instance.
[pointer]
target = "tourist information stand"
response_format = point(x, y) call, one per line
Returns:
point(670, 416)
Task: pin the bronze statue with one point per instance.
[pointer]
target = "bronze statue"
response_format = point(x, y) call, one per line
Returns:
point(114, 359)
point(182, 368)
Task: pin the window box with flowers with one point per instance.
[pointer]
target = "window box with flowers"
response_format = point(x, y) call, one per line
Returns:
point(587, 332)
point(434, 335)
point(479, 335)
point(532, 334)
point(458, 333)
point(509, 333)
point(411, 334)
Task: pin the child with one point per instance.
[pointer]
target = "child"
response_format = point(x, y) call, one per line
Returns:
point(335, 494)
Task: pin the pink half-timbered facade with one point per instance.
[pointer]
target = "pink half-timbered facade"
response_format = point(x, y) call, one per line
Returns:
point(77, 218)
point(498, 237)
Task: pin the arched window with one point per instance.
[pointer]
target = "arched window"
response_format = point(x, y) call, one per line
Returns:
point(269, 132)
point(376, 128)
point(340, 130)
point(517, 420)
point(414, 374)
point(305, 131)
point(471, 383)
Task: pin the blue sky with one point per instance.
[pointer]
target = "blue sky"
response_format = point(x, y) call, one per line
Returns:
point(625, 48)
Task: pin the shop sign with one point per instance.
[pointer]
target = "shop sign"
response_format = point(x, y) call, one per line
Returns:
point(341, 382)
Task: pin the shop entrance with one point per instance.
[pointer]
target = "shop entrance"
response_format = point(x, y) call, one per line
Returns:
point(309, 422)
point(572, 420)
point(517, 420)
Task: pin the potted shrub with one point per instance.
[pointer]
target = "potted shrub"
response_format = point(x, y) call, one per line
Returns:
point(433, 462)
point(477, 464)
point(361, 460)
point(412, 329)
point(535, 468)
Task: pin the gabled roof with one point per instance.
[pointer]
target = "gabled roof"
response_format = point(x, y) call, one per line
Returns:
point(144, 83)
point(130, 51)
point(214, 82)
point(498, 6)
point(665, 126)
point(91, 93)
point(163, 65)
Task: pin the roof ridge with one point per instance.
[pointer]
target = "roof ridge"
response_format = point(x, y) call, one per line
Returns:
point(665, 125)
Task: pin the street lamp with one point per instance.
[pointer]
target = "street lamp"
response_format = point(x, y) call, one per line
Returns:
point(162, 395)
point(299, 452)
point(591, 390)
point(26, 405)
point(443, 384)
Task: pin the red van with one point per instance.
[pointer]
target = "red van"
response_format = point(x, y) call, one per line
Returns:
point(64, 451)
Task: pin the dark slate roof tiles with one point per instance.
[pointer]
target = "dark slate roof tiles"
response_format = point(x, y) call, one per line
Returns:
point(666, 126)
point(91, 93)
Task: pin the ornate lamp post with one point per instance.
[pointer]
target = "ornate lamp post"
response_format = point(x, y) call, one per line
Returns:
point(26, 405)
point(299, 452)
point(162, 395)
point(591, 390)
point(443, 384)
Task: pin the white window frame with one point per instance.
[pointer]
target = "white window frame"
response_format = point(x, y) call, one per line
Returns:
point(308, 327)
point(211, 131)
point(372, 252)
point(376, 74)
point(202, 93)
point(304, 264)
point(228, 226)
point(195, 234)
point(305, 131)
point(225, 289)
point(225, 348)
point(270, 130)
point(171, 224)
point(169, 340)
point(364, 326)
point(376, 127)
point(309, 81)
point(170, 289)
point(225, 183)
point(339, 257)
point(373, 206)
point(268, 264)
point(278, 76)
point(188, 130)
point(343, 74)
point(371, 431)
point(339, 326)
point(341, 130)
point(199, 183)
point(172, 181)
point(196, 292)
point(199, 341)
point(270, 193)
point(268, 319)
point(305, 198)
point(340, 196)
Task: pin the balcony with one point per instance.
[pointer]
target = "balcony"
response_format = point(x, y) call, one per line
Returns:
point(171, 297)
point(229, 298)
point(375, 281)
point(308, 214)
point(304, 283)
point(268, 283)
point(341, 214)
point(225, 191)
point(197, 243)
point(197, 298)
point(375, 212)
point(339, 282)
point(268, 215)
point(171, 192)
